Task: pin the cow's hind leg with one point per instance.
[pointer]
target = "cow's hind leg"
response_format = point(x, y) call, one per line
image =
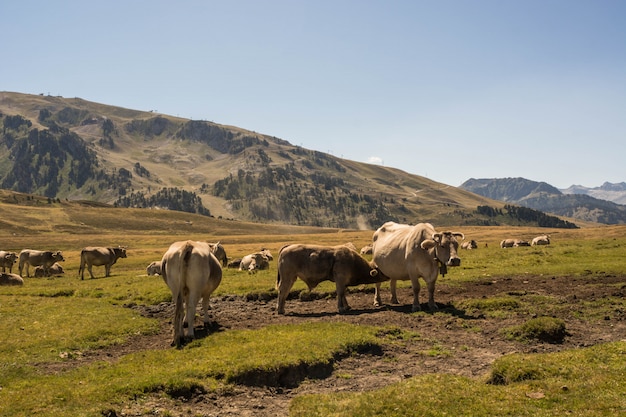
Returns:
point(205, 312)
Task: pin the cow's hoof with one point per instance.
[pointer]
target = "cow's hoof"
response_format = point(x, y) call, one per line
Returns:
point(416, 308)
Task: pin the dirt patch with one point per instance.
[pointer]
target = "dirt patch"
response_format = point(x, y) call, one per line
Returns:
point(452, 341)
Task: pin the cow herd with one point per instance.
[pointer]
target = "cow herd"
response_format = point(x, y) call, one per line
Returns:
point(192, 270)
point(46, 263)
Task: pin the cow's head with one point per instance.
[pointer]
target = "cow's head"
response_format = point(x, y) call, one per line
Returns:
point(120, 252)
point(376, 273)
point(444, 247)
point(58, 256)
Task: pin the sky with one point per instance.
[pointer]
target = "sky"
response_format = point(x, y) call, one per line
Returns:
point(446, 89)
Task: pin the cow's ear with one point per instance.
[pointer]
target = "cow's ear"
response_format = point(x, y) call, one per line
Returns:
point(437, 237)
point(427, 244)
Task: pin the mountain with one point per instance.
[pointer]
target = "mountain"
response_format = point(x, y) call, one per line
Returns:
point(607, 191)
point(546, 198)
point(77, 150)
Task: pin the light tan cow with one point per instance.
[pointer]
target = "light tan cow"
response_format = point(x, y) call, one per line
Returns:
point(314, 264)
point(7, 259)
point(472, 244)
point(219, 252)
point(55, 270)
point(192, 273)
point(34, 258)
point(541, 240)
point(154, 268)
point(513, 243)
point(99, 256)
point(366, 250)
point(404, 252)
point(258, 260)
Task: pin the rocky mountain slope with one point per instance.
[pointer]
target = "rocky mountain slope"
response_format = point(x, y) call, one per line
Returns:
point(615, 192)
point(546, 198)
point(73, 149)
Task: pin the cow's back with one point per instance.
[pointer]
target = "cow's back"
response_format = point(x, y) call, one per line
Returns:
point(396, 247)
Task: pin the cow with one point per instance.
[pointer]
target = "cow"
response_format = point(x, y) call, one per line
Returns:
point(314, 264)
point(472, 244)
point(234, 263)
point(34, 258)
point(10, 279)
point(513, 243)
point(404, 252)
point(219, 252)
point(154, 268)
point(99, 256)
point(541, 240)
point(366, 250)
point(7, 259)
point(55, 269)
point(191, 272)
point(257, 260)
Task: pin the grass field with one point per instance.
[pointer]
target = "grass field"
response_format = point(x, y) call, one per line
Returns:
point(55, 320)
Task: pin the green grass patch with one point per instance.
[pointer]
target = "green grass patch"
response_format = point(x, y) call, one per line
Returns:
point(546, 329)
point(583, 382)
point(202, 366)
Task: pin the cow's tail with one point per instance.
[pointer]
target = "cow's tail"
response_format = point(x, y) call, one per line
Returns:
point(278, 279)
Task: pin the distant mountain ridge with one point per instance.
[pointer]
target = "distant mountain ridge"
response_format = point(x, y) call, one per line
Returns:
point(615, 192)
point(544, 197)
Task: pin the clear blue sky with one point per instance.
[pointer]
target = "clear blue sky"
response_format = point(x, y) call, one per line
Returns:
point(447, 89)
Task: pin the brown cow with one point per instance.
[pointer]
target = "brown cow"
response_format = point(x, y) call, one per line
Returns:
point(314, 264)
point(10, 279)
point(7, 259)
point(191, 272)
point(404, 252)
point(99, 256)
point(45, 259)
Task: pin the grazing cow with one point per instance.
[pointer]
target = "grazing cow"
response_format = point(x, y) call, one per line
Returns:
point(45, 259)
point(513, 243)
point(314, 264)
point(154, 268)
point(7, 259)
point(191, 272)
point(472, 244)
point(366, 250)
point(10, 279)
point(405, 252)
point(257, 260)
point(99, 256)
point(541, 240)
point(55, 269)
point(220, 253)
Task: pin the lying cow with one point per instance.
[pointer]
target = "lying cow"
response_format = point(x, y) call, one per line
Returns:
point(99, 256)
point(7, 259)
point(34, 258)
point(154, 268)
point(191, 272)
point(404, 252)
point(513, 243)
point(472, 244)
point(55, 270)
point(541, 240)
point(258, 260)
point(366, 250)
point(314, 264)
point(10, 279)
point(220, 253)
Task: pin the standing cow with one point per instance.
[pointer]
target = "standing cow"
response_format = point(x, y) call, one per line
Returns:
point(191, 272)
point(7, 259)
point(220, 253)
point(314, 264)
point(404, 252)
point(34, 258)
point(99, 256)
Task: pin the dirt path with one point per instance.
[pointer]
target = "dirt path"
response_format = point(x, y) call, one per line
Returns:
point(452, 341)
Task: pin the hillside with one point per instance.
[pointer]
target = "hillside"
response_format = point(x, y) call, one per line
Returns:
point(607, 191)
point(72, 149)
point(546, 198)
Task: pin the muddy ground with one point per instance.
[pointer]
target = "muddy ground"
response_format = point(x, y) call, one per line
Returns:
point(468, 340)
